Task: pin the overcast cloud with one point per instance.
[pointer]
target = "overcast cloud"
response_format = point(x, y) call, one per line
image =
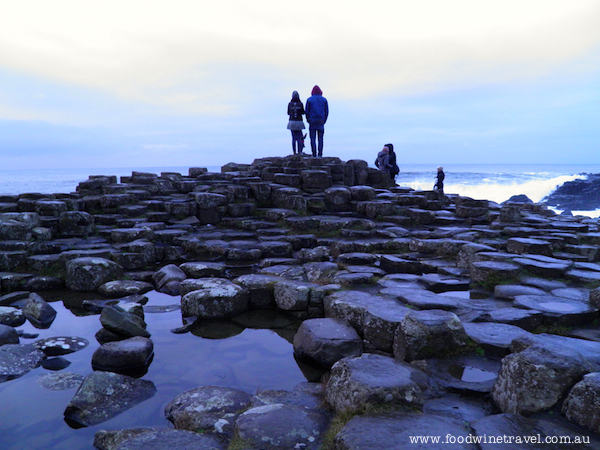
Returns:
point(187, 83)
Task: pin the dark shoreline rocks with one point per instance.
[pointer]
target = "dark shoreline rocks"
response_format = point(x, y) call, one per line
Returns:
point(577, 195)
point(438, 300)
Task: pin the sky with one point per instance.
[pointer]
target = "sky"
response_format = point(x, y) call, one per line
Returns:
point(195, 83)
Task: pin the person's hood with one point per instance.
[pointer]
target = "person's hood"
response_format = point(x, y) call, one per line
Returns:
point(390, 146)
point(316, 90)
point(295, 96)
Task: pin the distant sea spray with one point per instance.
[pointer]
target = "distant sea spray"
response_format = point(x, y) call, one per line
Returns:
point(499, 182)
point(497, 190)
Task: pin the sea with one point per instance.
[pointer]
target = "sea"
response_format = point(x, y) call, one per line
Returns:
point(495, 182)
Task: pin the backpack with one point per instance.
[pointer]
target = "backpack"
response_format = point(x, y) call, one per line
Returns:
point(380, 161)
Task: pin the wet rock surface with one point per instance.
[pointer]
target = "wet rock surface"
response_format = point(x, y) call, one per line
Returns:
point(356, 382)
point(38, 311)
point(577, 195)
point(579, 407)
point(537, 378)
point(18, 359)
point(394, 431)
point(61, 345)
point(326, 341)
point(213, 409)
point(59, 381)
point(126, 356)
point(155, 439)
point(122, 323)
point(278, 426)
point(430, 333)
point(463, 374)
point(535, 433)
point(430, 302)
point(103, 395)
point(8, 335)
point(494, 338)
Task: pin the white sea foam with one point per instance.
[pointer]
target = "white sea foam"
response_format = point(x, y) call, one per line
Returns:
point(535, 189)
point(591, 214)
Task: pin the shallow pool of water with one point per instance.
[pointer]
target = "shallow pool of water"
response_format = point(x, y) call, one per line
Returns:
point(244, 357)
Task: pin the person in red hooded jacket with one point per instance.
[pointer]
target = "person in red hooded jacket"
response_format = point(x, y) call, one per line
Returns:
point(317, 111)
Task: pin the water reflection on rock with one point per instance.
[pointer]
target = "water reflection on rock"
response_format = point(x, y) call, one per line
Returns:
point(103, 395)
point(215, 329)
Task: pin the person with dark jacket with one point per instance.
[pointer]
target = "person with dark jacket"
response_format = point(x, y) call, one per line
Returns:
point(383, 160)
point(296, 124)
point(439, 183)
point(317, 111)
point(395, 170)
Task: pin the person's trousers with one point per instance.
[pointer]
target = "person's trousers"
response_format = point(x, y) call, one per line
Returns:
point(314, 135)
point(297, 141)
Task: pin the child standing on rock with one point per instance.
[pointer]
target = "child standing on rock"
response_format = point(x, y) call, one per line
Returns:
point(439, 184)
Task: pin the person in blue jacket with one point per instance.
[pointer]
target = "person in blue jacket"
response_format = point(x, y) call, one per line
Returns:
point(317, 111)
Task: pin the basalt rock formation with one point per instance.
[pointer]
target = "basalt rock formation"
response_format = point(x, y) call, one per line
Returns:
point(577, 195)
point(425, 314)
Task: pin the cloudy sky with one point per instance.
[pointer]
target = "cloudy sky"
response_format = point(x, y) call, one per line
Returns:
point(196, 83)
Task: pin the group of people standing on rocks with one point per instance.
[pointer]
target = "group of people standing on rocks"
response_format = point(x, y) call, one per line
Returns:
point(316, 112)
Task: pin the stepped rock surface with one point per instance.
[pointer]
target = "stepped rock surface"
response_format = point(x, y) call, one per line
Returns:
point(425, 313)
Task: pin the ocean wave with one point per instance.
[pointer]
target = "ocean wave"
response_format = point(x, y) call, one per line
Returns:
point(594, 214)
point(535, 189)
